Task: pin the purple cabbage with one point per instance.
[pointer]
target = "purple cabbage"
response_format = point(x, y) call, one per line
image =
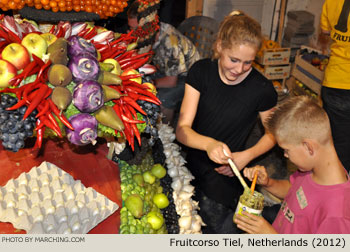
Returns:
point(78, 45)
point(88, 96)
point(84, 67)
point(85, 129)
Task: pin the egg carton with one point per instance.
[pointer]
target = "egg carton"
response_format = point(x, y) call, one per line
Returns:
point(47, 200)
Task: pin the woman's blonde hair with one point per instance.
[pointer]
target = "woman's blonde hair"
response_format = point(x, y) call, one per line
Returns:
point(299, 118)
point(236, 29)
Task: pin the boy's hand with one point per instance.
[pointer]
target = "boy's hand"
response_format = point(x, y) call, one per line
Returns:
point(253, 224)
point(263, 177)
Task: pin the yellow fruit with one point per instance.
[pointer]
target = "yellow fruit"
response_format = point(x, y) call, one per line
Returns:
point(49, 37)
point(151, 87)
point(132, 72)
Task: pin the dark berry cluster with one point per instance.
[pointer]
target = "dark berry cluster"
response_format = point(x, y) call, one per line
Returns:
point(13, 129)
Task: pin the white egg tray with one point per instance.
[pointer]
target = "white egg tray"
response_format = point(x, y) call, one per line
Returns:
point(47, 200)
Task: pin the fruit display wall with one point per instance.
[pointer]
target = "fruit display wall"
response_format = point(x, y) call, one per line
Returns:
point(104, 8)
point(78, 81)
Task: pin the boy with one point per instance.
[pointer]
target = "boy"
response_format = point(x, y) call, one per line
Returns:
point(317, 196)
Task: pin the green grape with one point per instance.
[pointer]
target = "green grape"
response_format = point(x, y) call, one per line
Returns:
point(132, 229)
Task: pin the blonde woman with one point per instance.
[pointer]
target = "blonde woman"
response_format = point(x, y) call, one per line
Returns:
point(223, 98)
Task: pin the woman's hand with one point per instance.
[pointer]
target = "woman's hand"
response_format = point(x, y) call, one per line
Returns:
point(253, 224)
point(241, 159)
point(215, 151)
point(263, 177)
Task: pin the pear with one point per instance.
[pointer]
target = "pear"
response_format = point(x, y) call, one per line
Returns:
point(107, 116)
point(62, 97)
point(107, 78)
point(59, 75)
point(59, 57)
point(138, 178)
point(105, 66)
point(110, 93)
point(134, 204)
point(60, 43)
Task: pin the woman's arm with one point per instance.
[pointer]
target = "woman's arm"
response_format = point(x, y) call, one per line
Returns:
point(187, 136)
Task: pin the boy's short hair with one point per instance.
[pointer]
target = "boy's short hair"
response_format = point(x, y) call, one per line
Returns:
point(299, 118)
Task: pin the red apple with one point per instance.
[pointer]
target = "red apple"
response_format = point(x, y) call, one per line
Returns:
point(7, 72)
point(16, 54)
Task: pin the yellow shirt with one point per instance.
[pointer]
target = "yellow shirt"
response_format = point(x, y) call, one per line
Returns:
point(335, 18)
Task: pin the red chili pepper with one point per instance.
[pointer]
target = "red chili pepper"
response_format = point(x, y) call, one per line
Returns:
point(144, 92)
point(132, 138)
point(24, 74)
point(83, 32)
point(55, 124)
point(4, 35)
point(23, 102)
point(135, 65)
point(142, 97)
point(132, 110)
point(60, 32)
point(130, 76)
point(29, 88)
point(60, 115)
point(129, 120)
point(39, 61)
point(44, 108)
point(47, 121)
point(134, 84)
point(125, 55)
point(14, 37)
point(42, 69)
point(136, 133)
point(133, 125)
point(41, 94)
point(133, 104)
point(137, 56)
point(52, 30)
point(132, 133)
point(39, 134)
point(118, 52)
point(91, 33)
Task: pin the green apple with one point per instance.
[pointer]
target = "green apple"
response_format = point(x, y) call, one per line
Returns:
point(116, 70)
point(158, 170)
point(155, 219)
point(16, 54)
point(35, 44)
point(161, 200)
point(148, 177)
point(7, 72)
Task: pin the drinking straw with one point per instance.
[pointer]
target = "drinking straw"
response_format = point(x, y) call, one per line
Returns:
point(236, 171)
point(252, 187)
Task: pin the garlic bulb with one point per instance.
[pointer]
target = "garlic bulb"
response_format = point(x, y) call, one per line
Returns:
point(189, 222)
point(173, 172)
point(176, 185)
point(185, 222)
